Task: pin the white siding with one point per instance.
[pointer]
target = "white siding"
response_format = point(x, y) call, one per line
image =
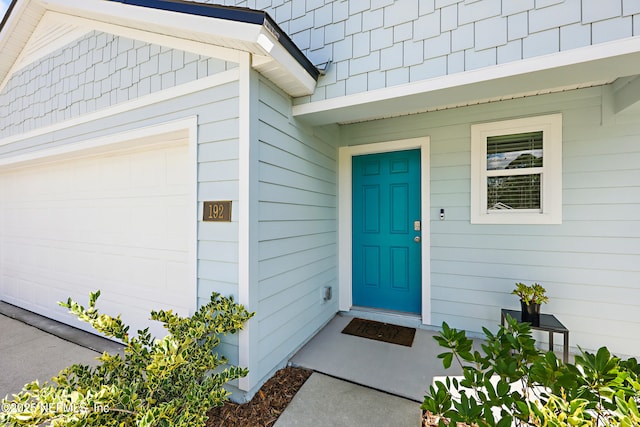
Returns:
point(297, 230)
point(590, 264)
point(218, 180)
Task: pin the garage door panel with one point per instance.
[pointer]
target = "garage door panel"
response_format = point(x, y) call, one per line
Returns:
point(175, 274)
point(119, 222)
point(151, 223)
point(178, 172)
point(146, 176)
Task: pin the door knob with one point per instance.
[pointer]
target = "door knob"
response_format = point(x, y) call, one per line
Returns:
point(417, 239)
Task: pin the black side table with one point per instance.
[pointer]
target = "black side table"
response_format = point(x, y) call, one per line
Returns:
point(548, 322)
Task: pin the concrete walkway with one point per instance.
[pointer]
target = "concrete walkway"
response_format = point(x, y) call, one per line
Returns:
point(362, 382)
point(357, 382)
point(28, 353)
point(327, 401)
point(402, 371)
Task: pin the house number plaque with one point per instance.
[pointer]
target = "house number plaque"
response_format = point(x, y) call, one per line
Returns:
point(217, 211)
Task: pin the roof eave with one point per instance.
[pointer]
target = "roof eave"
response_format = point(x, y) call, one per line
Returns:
point(234, 28)
point(582, 67)
point(235, 14)
point(5, 18)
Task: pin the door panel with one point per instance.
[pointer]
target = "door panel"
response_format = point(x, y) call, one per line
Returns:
point(118, 222)
point(386, 258)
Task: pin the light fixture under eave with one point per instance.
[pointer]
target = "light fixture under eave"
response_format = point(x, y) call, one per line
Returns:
point(265, 43)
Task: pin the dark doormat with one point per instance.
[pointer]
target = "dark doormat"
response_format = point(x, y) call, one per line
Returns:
point(378, 331)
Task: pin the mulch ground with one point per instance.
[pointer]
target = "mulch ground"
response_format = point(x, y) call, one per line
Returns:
point(266, 406)
point(271, 400)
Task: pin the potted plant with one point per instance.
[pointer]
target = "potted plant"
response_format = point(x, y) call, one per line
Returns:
point(531, 298)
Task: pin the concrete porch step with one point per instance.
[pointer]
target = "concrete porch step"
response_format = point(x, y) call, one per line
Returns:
point(398, 370)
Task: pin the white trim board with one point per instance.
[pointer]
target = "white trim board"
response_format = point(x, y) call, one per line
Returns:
point(85, 26)
point(345, 216)
point(197, 47)
point(597, 64)
point(161, 22)
point(132, 139)
point(247, 214)
point(53, 32)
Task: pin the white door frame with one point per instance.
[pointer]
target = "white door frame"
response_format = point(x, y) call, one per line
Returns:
point(345, 177)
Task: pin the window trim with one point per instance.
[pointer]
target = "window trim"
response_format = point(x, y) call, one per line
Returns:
point(550, 176)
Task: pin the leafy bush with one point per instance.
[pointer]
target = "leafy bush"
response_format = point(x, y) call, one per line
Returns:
point(165, 382)
point(511, 382)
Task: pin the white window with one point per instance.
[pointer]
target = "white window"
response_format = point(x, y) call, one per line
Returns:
point(516, 171)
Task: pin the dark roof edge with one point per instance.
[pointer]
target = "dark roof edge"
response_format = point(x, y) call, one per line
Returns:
point(231, 13)
point(7, 13)
point(290, 46)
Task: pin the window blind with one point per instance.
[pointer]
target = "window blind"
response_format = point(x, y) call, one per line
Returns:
point(514, 165)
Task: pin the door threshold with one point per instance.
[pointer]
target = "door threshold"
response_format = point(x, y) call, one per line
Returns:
point(392, 317)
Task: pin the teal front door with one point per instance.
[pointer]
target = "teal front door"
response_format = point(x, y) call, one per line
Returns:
point(386, 229)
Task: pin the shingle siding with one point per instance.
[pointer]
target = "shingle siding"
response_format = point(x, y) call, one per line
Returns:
point(482, 33)
point(96, 71)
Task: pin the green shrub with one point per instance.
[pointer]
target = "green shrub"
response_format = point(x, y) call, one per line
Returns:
point(165, 382)
point(513, 383)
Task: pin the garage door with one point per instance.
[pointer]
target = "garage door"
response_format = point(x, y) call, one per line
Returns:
point(118, 221)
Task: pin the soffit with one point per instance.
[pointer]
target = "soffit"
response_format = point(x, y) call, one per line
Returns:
point(585, 67)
